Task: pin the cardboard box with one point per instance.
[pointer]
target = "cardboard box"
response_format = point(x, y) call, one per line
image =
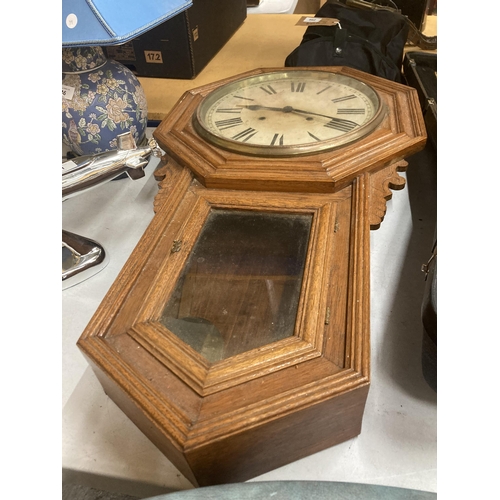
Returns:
point(182, 46)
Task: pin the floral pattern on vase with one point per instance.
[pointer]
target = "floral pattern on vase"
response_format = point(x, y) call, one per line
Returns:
point(106, 100)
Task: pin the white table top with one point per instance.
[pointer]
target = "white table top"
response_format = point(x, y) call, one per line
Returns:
point(101, 447)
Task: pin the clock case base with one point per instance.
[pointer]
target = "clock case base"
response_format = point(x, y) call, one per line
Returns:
point(240, 417)
point(256, 450)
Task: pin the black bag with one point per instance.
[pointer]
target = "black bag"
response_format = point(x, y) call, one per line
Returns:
point(369, 40)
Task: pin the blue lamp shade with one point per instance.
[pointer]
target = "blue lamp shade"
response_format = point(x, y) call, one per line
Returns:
point(112, 22)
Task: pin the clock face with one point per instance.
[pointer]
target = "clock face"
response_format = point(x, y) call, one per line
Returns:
point(286, 113)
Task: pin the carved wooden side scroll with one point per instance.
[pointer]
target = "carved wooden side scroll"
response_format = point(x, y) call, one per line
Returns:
point(382, 183)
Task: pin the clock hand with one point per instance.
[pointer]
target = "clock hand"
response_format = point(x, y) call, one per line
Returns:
point(290, 109)
point(340, 120)
point(257, 107)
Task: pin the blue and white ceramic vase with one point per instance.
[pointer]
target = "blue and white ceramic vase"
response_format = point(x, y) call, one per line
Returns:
point(101, 100)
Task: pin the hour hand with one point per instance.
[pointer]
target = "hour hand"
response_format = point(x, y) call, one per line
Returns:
point(284, 109)
point(290, 109)
point(337, 123)
point(258, 107)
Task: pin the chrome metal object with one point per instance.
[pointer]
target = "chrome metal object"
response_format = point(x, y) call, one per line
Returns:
point(81, 256)
point(87, 172)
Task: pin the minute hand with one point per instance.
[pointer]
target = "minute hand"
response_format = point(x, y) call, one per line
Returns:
point(290, 109)
point(334, 118)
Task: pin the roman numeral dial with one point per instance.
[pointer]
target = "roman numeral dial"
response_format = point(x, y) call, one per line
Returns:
point(229, 123)
point(341, 125)
point(298, 86)
point(277, 139)
point(290, 111)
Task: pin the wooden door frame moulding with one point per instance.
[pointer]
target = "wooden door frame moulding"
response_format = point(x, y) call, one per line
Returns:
point(187, 363)
point(354, 374)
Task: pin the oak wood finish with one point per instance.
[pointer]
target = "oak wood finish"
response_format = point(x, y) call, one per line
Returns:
point(401, 134)
point(197, 404)
point(233, 419)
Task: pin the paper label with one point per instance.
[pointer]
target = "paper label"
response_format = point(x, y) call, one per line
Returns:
point(68, 165)
point(71, 21)
point(153, 56)
point(318, 21)
point(123, 52)
point(68, 92)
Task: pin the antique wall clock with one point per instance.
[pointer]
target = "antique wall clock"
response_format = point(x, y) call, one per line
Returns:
point(236, 337)
point(284, 113)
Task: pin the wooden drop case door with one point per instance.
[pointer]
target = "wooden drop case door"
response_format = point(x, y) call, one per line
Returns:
point(237, 333)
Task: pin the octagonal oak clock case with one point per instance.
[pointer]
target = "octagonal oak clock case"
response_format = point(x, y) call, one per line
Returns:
point(236, 337)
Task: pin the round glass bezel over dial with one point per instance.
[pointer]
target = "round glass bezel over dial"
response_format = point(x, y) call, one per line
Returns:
point(287, 113)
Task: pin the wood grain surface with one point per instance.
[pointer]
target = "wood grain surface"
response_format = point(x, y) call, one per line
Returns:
point(265, 406)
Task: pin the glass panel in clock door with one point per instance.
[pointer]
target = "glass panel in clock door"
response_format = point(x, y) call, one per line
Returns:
point(240, 287)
